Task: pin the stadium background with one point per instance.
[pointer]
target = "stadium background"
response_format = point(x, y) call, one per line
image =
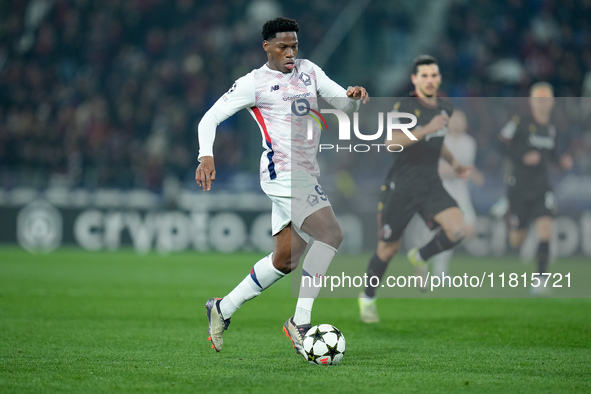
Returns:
point(99, 103)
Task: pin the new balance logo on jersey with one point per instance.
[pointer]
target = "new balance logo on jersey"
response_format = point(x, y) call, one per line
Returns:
point(274, 88)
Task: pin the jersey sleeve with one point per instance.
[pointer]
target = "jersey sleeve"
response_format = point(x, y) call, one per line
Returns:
point(471, 151)
point(508, 131)
point(334, 93)
point(241, 95)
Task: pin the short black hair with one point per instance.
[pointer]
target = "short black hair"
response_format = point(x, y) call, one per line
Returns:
point(422, 60)
point(541, 85)
point(278, 25)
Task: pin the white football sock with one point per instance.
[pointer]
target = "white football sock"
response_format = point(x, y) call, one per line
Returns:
point(261, 276)
point(441, 262)
point(314, 268)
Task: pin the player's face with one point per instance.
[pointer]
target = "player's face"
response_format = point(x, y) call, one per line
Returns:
point(282, 51)
point(427, 80)
point(542, 100)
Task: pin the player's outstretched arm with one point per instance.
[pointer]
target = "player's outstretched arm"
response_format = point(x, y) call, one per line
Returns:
point(461, 170)
point(205, 173)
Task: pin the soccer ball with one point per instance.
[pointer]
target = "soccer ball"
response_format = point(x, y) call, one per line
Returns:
point(324, 345)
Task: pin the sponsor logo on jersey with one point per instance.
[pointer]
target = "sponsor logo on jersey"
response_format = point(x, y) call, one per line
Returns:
point(296, 96)
point(301, 107)
point(541, 142)
point(439, 133)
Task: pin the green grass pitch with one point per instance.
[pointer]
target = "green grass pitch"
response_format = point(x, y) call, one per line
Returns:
point(81, 322)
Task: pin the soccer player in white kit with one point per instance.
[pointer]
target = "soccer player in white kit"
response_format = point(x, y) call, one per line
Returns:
point(273, 94)
point(463, 147)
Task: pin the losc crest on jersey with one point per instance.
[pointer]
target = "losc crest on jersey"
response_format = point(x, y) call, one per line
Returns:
point(305, 78)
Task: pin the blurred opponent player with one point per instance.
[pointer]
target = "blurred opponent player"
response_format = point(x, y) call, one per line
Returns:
point(530, 144)
point(300, 212)
point(413, 184)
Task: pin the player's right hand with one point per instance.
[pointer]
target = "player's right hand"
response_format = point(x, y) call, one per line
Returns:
point(566, 162)
point(205, 173)
point(358, 92)
point(437, 123)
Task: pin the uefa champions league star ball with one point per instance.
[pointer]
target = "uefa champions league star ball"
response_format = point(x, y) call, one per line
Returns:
point(324, 345)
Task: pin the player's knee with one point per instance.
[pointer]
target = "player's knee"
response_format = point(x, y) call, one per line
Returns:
point(386, 255)
point(516, 239)
point(387, 250)
point(286, 261)
point(469, 231)
point(545, 233)
point(514, 243)
point(333, 236)
point(286, 264)
point(455, 233)
point(338, 237)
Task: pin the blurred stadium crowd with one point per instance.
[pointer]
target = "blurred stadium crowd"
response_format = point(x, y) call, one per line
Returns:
point(108, 93)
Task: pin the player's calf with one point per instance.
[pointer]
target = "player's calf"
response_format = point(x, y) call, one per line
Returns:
point(438, 244)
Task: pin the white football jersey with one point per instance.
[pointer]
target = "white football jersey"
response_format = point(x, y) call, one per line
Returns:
point(268, 95)
point(463, 148)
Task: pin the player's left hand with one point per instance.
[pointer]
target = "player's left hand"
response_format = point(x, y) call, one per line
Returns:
point(358, 92)
point(462, 171)
point(476, 177)
point(205, 173)
point(566, 162)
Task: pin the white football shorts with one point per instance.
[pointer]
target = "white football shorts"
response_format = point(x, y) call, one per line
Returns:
point(295, 197)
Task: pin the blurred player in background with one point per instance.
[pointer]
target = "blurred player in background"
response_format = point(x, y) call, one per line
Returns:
point(300, 212)
point(413, 184)
point(530, 145)
point(463, 146)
